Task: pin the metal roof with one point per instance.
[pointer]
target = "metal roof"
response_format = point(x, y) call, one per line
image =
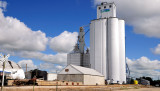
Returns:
point(10, 65)
point(84, 70)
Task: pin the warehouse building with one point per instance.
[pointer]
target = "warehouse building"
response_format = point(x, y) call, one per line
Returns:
point(81, 74)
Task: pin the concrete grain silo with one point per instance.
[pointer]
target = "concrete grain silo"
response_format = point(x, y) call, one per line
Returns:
point(122, 51)
point(98, 45)
point(113, 49)
point(107, 44)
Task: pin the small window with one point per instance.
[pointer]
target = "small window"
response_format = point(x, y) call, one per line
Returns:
point(101, 3)
point(99, 7)
point(110, 6)
point(66, 70)
point(104, 6)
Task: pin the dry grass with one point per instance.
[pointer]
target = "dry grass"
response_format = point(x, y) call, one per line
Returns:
point(74, 88)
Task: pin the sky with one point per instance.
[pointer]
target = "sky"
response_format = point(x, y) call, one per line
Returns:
point(40, 33)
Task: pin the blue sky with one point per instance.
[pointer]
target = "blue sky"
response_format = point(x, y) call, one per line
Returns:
point(53, 17)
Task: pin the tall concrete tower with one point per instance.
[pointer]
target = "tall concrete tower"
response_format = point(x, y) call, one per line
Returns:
point(107, 44)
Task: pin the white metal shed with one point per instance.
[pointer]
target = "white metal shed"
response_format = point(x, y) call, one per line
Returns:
point(87, 76)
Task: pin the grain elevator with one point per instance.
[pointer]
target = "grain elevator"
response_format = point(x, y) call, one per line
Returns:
point(107, 45)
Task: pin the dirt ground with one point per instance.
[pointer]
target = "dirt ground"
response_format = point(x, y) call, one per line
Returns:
point(142, 89)
point(82, 88)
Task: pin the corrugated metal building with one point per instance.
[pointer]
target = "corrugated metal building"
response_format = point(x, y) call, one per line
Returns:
point(81, 74)
point(74, 58)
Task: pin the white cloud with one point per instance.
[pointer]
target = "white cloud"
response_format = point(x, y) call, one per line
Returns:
point(156, 50)
point(65, 42)
point(16, 36)
point(50, 67)
point(59, 67)
point(30, 65)
point(59, 58)
point(142, 15)
point(3, 5)
point(19, 40)
point(47, 66)
point(144, 67)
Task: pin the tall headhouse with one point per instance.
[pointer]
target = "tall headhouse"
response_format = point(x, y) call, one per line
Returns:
point(79, 56)
point(107, 44)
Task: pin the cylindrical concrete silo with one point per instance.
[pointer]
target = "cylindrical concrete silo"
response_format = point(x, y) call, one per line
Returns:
point(98, 45)
point(122, 51)
point(104, 48)
point(113, 49)
point(92, 44)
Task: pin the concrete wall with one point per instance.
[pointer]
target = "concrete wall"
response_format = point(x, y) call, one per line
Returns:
point(70, 77)
point(85, 79)
point(93, 80)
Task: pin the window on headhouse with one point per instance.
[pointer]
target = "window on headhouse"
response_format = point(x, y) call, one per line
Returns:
point(110, 6)
point(104, 6)
point(99, 7)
